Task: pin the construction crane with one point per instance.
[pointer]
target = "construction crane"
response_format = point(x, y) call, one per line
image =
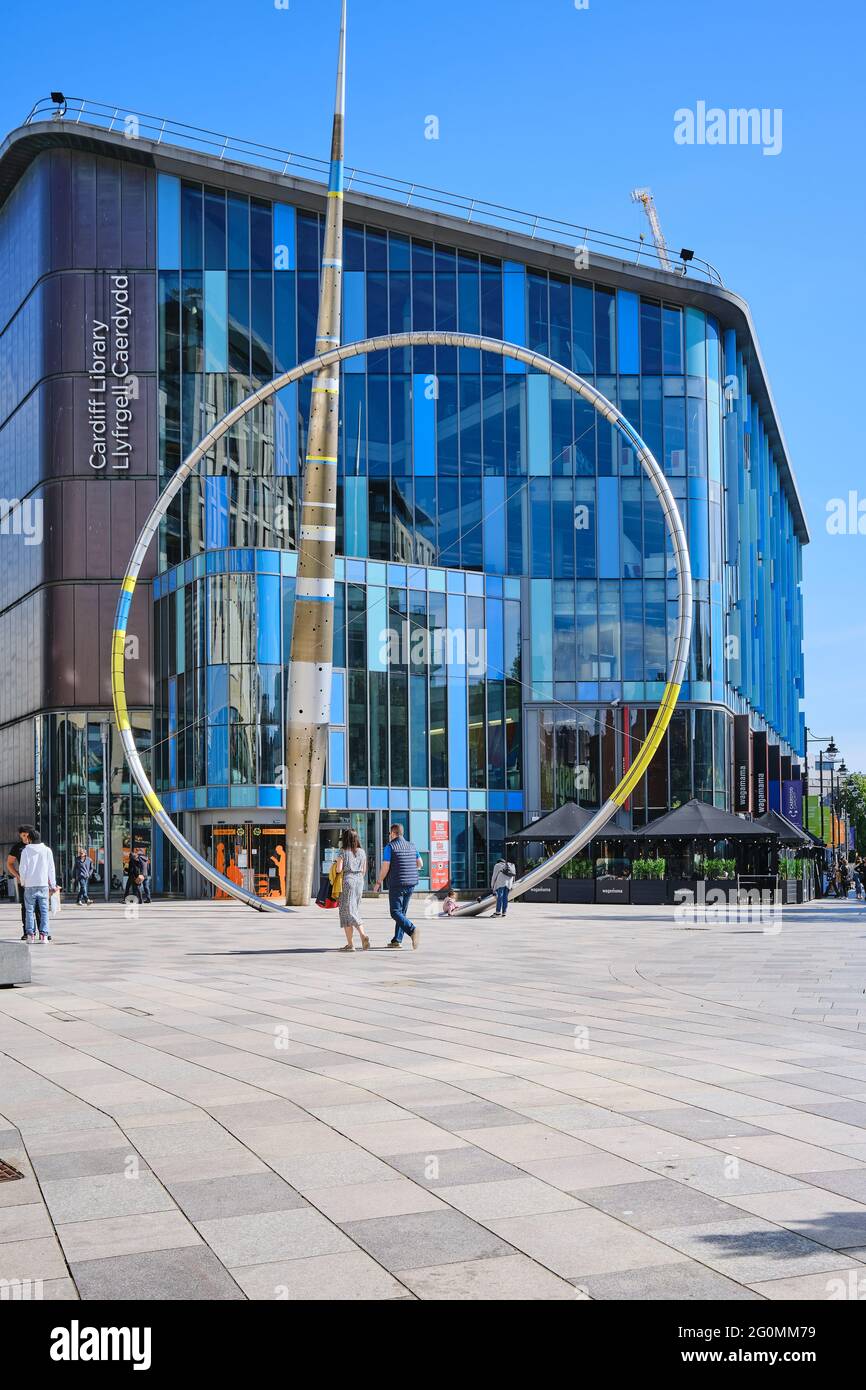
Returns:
point(644, 195)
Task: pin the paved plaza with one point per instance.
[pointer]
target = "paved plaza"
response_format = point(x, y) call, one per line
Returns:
point(575, 1103)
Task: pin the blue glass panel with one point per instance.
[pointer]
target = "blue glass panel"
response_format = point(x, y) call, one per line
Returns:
point(455, 582)
point(268, 619)
point(285, 256)
point(271, 796)
point(354, 316)
point(218, 753)
point(243, 796)
point(168, 222)
point(627, 332)
point(398, 799)
point(423, 427)
point(494, 528)
point(218, 796)
point(217, 694)
point(379, 798)
point(419, 800)
point(699, 538)
point(216, 497)
point(514, 310)
point(608, 528)
point(538, 411)
point(338, 698)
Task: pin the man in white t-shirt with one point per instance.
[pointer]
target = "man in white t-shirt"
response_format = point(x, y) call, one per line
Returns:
point(37, 874)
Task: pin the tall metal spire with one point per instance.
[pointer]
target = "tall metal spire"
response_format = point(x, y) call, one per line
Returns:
point(309, 696)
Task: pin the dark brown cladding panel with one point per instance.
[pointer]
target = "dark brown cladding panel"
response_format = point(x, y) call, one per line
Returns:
point(78, 624)
point(103, 212)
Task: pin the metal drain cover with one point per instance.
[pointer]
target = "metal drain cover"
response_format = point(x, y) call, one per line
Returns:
point(8, 1173)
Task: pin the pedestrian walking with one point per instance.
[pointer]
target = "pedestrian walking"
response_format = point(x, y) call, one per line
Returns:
point(37, 873)
point(13, 860)
point(352, 864)
point(400, 865)
point(82, 872)
point(144, 862)
point(134, 877)
point(502, 881)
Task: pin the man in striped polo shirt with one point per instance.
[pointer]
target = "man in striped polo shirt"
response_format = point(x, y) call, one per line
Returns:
point(400, 864)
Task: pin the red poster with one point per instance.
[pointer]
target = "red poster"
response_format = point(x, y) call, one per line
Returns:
point(440, 853)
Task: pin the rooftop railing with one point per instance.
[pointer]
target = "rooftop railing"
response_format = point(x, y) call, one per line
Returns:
point(162, 131)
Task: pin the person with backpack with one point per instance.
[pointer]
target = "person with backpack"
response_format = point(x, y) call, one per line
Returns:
point(82, 870)
point(39, 878)
point(501, 882)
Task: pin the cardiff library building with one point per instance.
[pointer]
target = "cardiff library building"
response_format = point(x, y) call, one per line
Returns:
point(505, 593)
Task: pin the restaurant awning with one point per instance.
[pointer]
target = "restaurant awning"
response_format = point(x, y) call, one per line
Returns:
point(787, 831)
point(564, 823)
point(699, 820)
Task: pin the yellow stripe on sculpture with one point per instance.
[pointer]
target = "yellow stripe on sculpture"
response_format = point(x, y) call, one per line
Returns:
point(653, 739)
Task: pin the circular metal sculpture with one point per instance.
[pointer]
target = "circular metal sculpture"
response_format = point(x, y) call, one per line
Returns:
point(538, 363)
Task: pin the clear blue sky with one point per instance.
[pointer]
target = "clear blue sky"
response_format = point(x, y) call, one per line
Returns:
point(544, 106)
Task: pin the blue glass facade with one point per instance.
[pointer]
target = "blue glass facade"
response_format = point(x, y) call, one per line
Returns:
point(484, 510)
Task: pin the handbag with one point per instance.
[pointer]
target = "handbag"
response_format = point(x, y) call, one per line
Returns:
point(54, 901)
point(324, 897)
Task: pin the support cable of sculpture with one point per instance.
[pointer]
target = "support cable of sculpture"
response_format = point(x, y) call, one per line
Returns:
point(535, 362)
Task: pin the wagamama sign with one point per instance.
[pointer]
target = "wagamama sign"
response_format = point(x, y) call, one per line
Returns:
point(111, 388)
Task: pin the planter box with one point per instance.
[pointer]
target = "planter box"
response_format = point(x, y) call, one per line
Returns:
point(576, 890)
point(793, 890)
point(649, 891)
point(612, 890)
point(544, 892)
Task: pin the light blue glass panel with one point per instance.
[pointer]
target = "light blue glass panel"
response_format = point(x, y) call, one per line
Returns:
point(514, 310)
point(494, 525)
point(423, 427)
point(538, 411)
point(243, 796)
point(216, 340)
point(419, 830)
point(268, 619)
point(354, 316)
point(286, 431)
point(541, 630)
point(627, 333)
point(284, 237)
point(377, 629)
point(696, 349)
point(168, 222)
point(436, 581)
point(338, 698)
point(608, 528)
point(336, 756)
point(356, 519)
point(216, 512)
point(419, 800)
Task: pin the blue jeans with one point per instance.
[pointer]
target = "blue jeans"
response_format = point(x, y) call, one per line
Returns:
point(502, 900)
point(398, 902)
point(32, 896)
